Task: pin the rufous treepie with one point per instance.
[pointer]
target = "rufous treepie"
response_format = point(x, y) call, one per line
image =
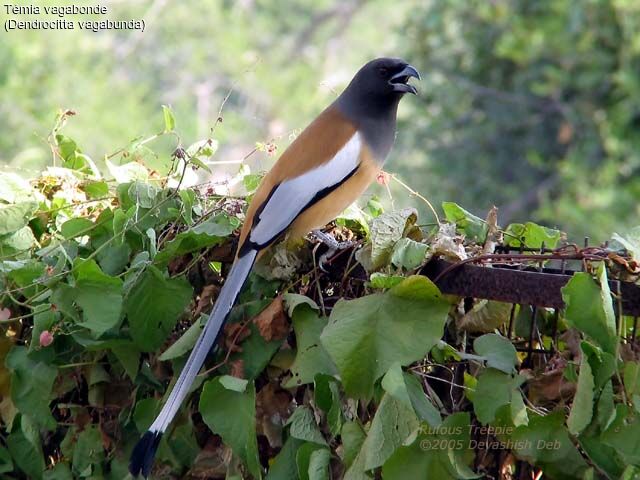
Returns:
point(327, 167)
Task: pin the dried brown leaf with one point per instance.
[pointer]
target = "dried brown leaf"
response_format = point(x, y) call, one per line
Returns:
point(205, 299)
point(550, 386)
point(234, 334)
point(236, 368)
point(272, 322)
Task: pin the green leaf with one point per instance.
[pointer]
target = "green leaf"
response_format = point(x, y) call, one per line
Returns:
point(169, 119)
point(631, 376)
point(31, 384)
point(374, 208)
point(603, 364)
point(406, 388)
point(128, 172)
point(409, 254)
point(544, 442)
point(632, 472)
point(606, 410)
point(150, 159)
point(319, 464)
point(383, 281)
point(532, 235)
point(582, 408)
point(14, 217)
point(25, 447)
point(67, 147)
point(518, 409)
point(88, 452)
point(99, 296)
point(352, 439)
point(303, 426)
point(392, 424)
point(233, 383)
point(76, 227)
point(366, 336)
point(6, 464)
point(129, 358)
point(145, 412)
point(485, 316)
point(201, 151)
point(96, 189)
point(23, 272)
point(292, 300)
point(114, 258)
point(189, 201)
point(386, 230)
point(601, 454)
point(251, 182)
point(284, 466)
point(232, 415)
point(60, 471)
point(17, 243)
point(623, 435)
point(313, 462)
point(212, 232)
point(153, 307)
point(43, 320)
point(327, 397)
point(256, 351)
point(183, 444)
point(14, 189)
point(497, 351)
point(143, 194)
point(355, 219)
point(474, 228)
point(185, 343)
point(493, 390)
point(311, 357)
point(589, 308)
point(443, 454)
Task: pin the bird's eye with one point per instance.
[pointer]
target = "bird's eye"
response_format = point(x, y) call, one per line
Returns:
point(384, 71)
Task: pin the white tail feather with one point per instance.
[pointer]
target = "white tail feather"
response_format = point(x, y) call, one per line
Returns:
point(224, 304)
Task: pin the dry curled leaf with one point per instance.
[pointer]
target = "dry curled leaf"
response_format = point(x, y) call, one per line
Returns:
point(550, 386)
point(205, 299)
point(236, 368)
point(272, 408)
point(272, 322)
point(234, 334)
point(630, 265)
point(485, 316)
point(494, 236)
point(448, 243)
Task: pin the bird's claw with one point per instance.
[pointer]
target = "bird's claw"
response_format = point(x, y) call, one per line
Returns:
point(333, 246)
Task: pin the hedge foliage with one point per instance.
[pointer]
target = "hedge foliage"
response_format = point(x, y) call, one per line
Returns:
point(366, 369)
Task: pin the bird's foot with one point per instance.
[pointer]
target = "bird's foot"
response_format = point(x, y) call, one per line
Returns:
point(333, 246)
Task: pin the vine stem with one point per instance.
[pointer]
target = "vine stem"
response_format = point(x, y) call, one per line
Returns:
point(419, 195)
point(15, 319)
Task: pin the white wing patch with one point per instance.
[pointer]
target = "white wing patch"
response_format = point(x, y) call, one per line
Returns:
point(292, 196)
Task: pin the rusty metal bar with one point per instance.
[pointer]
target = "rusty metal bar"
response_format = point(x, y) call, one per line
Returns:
point(508, 284)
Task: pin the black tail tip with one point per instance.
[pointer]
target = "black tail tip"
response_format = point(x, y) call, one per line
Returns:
point(144, 453)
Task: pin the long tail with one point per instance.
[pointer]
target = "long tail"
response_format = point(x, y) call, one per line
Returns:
point(145, 449)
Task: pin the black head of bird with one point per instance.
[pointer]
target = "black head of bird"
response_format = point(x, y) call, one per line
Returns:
point(381, 83)
point(371, 99)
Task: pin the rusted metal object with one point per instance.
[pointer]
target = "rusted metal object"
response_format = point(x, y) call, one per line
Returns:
point(511, 284)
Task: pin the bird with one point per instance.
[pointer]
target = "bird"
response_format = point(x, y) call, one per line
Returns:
point(324, 170)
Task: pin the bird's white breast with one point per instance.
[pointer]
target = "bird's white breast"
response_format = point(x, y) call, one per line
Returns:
point(292, 196)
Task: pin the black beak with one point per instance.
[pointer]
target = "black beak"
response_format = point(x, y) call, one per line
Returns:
point(400, 79)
